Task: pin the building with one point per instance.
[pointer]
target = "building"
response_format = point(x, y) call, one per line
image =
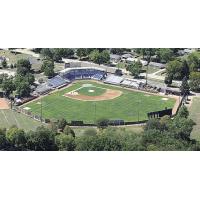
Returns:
point(114, 58)
point(159, 65)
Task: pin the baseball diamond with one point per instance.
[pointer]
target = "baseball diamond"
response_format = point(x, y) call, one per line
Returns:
point(88, 100)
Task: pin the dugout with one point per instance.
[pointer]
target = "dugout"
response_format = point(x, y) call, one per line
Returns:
point(159, 114)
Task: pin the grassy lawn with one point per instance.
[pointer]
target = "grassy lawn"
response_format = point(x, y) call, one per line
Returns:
point(151, 69)
point(36, 64)
point(121, 65)
point(9, 118)
point(129, 106)
point(195, 115)
point(14, 57)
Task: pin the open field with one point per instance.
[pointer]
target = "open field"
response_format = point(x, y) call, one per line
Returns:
point(129, 106)
point(9, 118)
point(195, 115)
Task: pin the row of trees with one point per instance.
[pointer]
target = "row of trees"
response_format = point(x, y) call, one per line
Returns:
point(164, 134)
point(189, 68)
point(162, 55)
point(96, 55)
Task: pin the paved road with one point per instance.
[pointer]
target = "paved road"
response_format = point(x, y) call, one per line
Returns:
point(27, 51)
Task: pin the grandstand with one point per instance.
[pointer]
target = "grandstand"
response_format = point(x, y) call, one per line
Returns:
point(43, 89)
point(112, 79)
point(57, 81)
point(133, 83)
point(82, 73)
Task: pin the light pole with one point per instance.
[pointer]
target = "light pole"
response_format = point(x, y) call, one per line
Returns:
point(138, 110)
point(41, 109)
point(94, 112)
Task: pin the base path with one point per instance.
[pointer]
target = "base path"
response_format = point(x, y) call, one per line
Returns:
point(109, 94)
point(4, 104)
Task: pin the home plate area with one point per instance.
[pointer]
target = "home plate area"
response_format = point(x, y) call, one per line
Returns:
point(89, 92)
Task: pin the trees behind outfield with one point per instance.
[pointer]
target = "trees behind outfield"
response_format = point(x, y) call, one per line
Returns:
point(165, 134)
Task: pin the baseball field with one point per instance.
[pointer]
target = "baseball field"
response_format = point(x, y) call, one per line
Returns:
point(90, 100)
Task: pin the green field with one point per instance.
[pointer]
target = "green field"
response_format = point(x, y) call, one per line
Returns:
point(195, 115)
point(91, 90)
point(9, 118)
point(130, 106)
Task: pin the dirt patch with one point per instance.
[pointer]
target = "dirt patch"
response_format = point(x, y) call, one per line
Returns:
point(3, 104)
point(109, 94)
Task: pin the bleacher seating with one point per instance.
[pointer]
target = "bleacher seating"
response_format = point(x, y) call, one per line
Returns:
point(57, 81)
point(112, 79)
point(75, 74)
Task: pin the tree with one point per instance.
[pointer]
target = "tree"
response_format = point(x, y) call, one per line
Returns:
point(153, 124)
point(185, 88)
point(99, 57)
point(195, 81)
point(3, 140)
point(65, 142)
point(168, 79)
point(48, 67)
point(94, 56)
point(67, 52)
point(4, 63)
point(102, 123)
point(17, 138)
point(186, 69)
point(164, 55)
point(42, 139)
point(104, 57)
point(193, 61)
point(62, 123)
point(175, 70)
point(181, 127)
point(8, 86)
point(23, 88)
point(68, 131)
point(135, 68)
point(22, 84)
point(57, 54)
point(183, 112)
point(82, 52)
point(46, 53)
point(23, 67)
point(117, 50)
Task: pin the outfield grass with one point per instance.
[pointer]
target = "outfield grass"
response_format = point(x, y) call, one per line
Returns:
point(130, 106)
point(9, 118)
point(195, 115)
